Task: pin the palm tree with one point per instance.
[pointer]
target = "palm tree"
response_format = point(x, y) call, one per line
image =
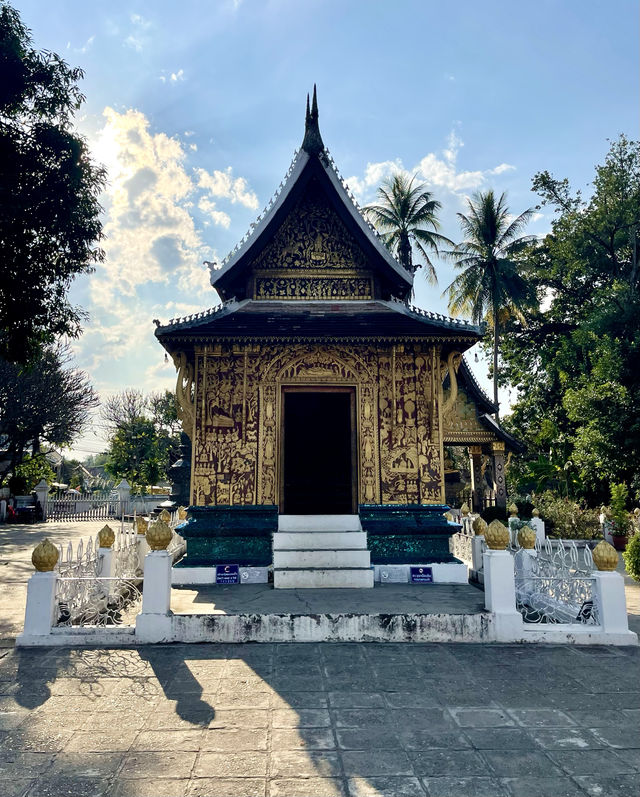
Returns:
point(490, 285)
point(406, 216)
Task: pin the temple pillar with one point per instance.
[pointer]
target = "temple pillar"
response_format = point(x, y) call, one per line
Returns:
point(497, 449)
point(477, 479)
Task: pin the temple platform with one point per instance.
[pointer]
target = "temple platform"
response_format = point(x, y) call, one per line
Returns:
point(386, 613)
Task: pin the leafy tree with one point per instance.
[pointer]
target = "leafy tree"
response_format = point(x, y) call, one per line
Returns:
point(490, 285)
point(145, 435)
point(407, 216)
point(49, 188)
point(574, 362)
point(30, 472)
point(135, 453)
point(47, 403)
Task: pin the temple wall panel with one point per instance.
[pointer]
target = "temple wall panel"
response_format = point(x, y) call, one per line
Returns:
point(238, 398)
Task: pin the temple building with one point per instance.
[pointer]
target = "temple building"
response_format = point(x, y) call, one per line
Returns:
point(316, 389)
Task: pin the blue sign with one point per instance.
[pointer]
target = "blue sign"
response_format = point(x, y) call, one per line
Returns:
point(421, 575)
point(227, 574)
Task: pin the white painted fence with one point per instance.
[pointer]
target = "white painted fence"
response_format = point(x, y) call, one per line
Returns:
point(107, 607)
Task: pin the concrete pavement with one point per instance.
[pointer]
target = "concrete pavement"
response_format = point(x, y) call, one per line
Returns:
point(320, 720)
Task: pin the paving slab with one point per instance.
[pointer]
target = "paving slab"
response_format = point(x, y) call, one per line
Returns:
point(135, 723)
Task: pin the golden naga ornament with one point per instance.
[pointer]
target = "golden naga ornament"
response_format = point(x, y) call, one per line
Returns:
point(45, 556)
point(496, 536)
point(448, 516)
point(464, 509)
point(142, 524)
point(159, 535)
point(527, 537)
point(479, 526)
point(605, 556)
point(513, 510)
point(182, 513)
point(106, 537)
point(165, 515)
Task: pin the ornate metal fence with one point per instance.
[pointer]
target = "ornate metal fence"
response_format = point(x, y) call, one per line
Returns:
point(86, 595)
point(555, 583)
point(94, 601)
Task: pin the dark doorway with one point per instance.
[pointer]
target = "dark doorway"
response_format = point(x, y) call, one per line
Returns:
point(318, 452)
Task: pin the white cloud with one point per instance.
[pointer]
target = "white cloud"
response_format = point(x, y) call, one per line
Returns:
point(177, 76)
point(503, 167)
point(438, 171)
point(135, 42)
point(140, 21)
point(85, 47)
point(207, 206)
point(224, 184)
point(154, 248)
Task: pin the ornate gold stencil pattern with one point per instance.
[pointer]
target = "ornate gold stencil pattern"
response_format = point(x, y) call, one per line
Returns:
point(238, 406)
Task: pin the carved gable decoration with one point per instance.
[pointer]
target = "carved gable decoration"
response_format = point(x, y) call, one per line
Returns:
point(460, 423)
point(312, 256)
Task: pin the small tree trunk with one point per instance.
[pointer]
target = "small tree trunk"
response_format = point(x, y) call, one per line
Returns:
point(496, 340)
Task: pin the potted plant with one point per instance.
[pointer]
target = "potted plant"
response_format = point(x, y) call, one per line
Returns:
point(620, 521)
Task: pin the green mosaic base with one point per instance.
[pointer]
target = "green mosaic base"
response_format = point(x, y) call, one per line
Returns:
point(228, 535)
point(406, 519)
point(243, 551)
point(403, 549)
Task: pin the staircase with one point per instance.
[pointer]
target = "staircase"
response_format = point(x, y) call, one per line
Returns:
point(319, 551)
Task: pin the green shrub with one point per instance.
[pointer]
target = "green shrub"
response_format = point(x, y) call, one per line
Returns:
point(620, 518)
point(631, 556)
point(566, 519)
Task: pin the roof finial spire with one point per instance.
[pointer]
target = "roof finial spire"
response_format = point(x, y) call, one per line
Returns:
point(312, 142)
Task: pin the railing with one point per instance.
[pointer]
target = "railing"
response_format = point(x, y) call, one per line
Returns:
point(83, 506)
point(555, 583)
point(95, 601)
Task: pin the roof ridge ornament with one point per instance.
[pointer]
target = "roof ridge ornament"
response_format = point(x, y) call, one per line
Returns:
point(312, 142)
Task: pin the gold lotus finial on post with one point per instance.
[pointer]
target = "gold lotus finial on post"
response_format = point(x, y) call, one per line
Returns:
point(464, 509)
point(142, 524)
point(605, 556)
point(106, 537)
point(513, 510)
point(45, 556)
point(182, 513)
point(165, 515)
point(159, 535)
point(479, 526)
point(527, 537)
point(497, 536)
point(535, 512)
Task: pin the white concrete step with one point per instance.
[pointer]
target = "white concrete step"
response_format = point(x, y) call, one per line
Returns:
point(319, 540)
point(322, 558)
point(319, 523)
point(322, 578)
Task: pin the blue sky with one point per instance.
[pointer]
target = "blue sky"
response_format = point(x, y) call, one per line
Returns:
point(196, 108)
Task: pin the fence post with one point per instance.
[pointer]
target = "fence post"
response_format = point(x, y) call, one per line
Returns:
point(124, 495)
point(42, 492)
point(611, 602)
point(537, 524)
point(500, 594)
point(39, 614)
point(153, 624)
